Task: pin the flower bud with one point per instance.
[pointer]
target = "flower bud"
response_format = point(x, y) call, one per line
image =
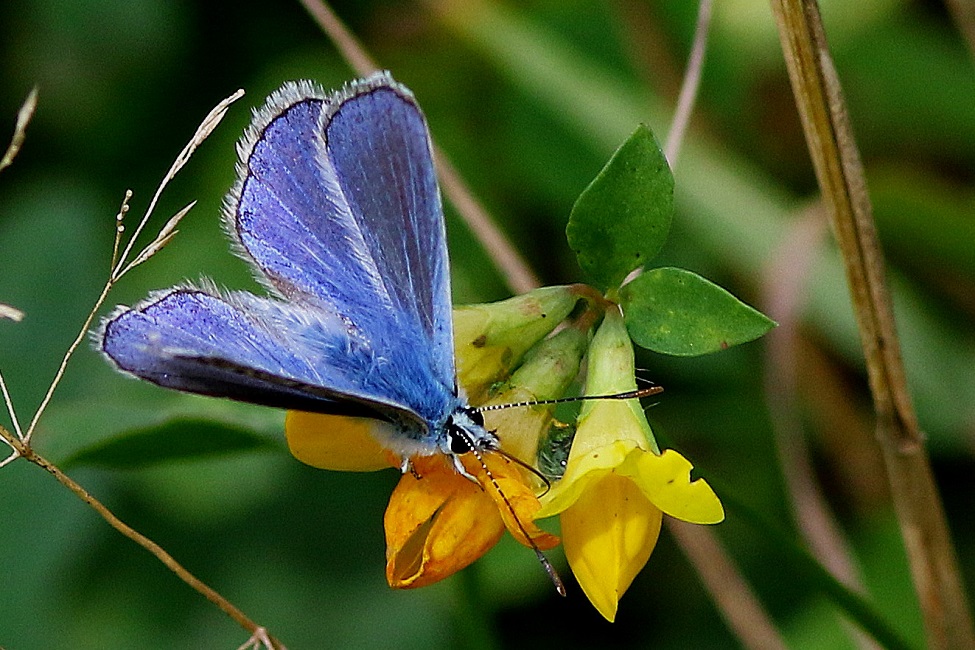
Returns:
point(490, 339)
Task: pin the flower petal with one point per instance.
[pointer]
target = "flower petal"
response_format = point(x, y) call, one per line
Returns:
point(582, 471)
point(336, 442)
point(666, 481)
point(513, 497)
point(436, 524)
point(608, 535)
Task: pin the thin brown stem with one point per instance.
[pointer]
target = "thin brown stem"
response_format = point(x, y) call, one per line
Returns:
point(785, 282)
point(690, 85)
point(733, 596)
point(344, 41)
point(963, 13)
point(28, 454)
point(24, 116)
point(65, 359)
point(516, 272)
point(20, 442)
point(818, 95)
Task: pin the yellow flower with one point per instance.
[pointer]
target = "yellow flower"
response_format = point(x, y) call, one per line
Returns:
point(336, 442)
point(617, 485)
point(438, 521)
point(441, 522)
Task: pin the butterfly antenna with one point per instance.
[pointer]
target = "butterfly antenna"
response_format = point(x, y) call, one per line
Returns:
point(546, 563)
point(630, 394)
point(520, 463)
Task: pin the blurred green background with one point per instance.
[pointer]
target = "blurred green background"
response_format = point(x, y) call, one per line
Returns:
point(529, 100)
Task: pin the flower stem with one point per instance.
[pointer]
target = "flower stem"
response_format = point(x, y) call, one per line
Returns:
point(818, 95)
point(736, 601)
point(516, 272)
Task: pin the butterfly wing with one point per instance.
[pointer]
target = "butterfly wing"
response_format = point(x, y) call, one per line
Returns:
point(338, 209)
point(247, 348)
point(338, 205)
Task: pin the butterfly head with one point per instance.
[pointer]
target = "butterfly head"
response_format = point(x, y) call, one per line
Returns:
point(464, 432)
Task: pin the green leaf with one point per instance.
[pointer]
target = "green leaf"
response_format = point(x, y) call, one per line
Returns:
point(175, 439)
point(674, 311)
point(620, 222)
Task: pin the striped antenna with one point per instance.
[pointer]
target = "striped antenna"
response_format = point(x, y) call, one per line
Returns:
point(630, 394)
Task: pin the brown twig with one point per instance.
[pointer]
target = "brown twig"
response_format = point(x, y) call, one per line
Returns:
point(963, 13)
point(27, 453)
point(24, 116)
point(934, 566)
point(20, 443)
point(690, 85)
point(732, 595)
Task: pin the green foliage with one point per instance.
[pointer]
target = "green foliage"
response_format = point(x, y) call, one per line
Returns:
point(674, 311)
point(618, 224)
point(621, 221)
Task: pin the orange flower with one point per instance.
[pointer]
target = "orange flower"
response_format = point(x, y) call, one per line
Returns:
point(441, 522)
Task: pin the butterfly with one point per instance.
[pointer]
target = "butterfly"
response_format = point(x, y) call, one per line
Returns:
point(337, 209)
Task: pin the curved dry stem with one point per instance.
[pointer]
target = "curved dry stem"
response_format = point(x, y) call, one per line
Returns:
point(819, 98)
point(345, 41)
point(963, 13)
point(20, 443)
point(690, 85)
point(24, 450)
point(261, 639)
point(785, 280)
point(8, 403)
point(14, 455)
point(516, 272)
point(121, 265)
point(24, 116)
point(736, 601)
point(64, 361)
point(11, 313)
point(203, 131)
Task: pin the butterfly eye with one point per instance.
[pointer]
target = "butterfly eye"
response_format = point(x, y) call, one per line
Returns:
point(458, 440)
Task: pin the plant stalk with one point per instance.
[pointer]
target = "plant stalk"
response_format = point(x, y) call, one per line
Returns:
point(28, 454)
point(819, 98)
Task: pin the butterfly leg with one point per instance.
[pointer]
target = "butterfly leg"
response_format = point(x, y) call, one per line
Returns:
point(407, 466)
point(459, 466)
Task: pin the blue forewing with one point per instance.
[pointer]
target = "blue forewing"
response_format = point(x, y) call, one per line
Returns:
point(337, 208)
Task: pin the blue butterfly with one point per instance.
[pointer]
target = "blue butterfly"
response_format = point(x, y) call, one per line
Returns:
point(337, 208)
